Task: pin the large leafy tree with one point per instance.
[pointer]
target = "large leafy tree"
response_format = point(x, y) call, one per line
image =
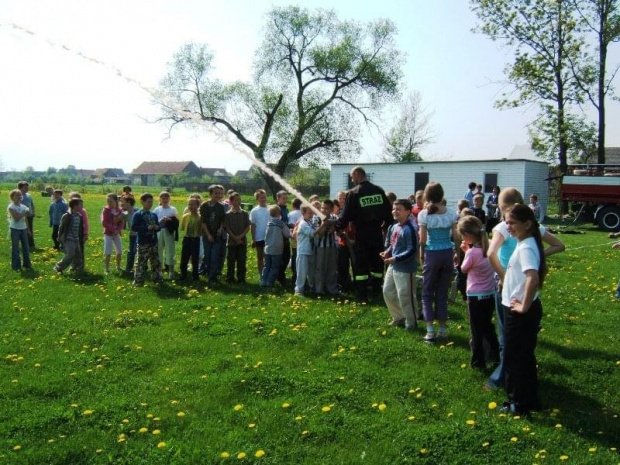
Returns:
point(581, 133)
point(316, 79)
point(547, 52)
point(410, 133)
point(602, 19)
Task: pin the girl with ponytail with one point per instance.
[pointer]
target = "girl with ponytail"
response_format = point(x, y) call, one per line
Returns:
point(437, 229)
point(500, 250)
point(520, 294)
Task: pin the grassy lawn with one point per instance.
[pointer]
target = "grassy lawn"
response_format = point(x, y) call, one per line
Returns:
point(94, 370)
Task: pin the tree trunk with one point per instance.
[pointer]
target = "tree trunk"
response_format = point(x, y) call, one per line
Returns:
point(602, 47)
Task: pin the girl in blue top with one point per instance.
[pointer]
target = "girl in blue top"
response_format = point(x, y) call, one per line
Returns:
point(437, 228)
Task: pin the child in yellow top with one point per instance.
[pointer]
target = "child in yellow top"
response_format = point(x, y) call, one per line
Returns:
point(191, 227)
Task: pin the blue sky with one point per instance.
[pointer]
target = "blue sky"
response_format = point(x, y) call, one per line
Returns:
point(58, 109)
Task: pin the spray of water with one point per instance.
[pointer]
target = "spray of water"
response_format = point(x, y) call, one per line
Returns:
point(220, 135)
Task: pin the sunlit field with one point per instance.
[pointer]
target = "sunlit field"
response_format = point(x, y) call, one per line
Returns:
point(94, 370)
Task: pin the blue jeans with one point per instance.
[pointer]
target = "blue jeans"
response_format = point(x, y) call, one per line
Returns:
point(213, 254)
point(271, 270)
point(17, 236)
point(496, 380)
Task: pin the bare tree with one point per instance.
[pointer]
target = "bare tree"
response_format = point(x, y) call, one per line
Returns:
point(410, 133)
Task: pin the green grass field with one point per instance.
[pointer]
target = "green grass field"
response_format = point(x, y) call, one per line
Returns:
point(94, 370)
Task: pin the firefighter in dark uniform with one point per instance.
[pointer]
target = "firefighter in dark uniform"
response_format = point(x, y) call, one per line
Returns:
point(368, 208)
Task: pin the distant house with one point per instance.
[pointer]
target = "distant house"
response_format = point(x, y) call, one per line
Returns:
point(85, 173)
point(147, 172)
point(219, 174)
point(111, 175)
point(612, 155)
point(243, 174)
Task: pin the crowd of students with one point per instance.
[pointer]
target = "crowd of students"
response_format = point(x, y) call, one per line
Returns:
point(500, 277)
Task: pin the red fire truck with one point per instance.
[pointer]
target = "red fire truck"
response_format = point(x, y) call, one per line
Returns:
point(596, 191)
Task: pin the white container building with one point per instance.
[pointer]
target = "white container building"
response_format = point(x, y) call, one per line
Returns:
point(528, 176)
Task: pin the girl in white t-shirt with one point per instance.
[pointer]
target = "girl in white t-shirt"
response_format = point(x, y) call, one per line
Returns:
point(520, 294)
point(500, 250)
point(19, 230)
point(166, 215)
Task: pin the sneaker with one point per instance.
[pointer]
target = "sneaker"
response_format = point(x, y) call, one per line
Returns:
point(429, 338)
point(397, 323)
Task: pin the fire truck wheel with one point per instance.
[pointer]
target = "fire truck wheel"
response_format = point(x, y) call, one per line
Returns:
point(609, 219)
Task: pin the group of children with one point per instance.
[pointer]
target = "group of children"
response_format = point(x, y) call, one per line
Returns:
point(503, 278)
point(213, 229)
point(305, 235)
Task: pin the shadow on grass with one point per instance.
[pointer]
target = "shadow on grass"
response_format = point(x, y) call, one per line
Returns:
point(579, 414)
point(88, 278)
point(571, 353)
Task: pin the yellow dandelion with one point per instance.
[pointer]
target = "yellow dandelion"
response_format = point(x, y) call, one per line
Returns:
point(17, 448)
point(241, 455)
point(125, 420)
point(305, 433)
point(592, 449)
point(238, 407)
point(156, 432)
point(563, 457)
point(463, 365)
point(252, 425)
point(87, 413)
point(382, 407)
point(143, 430)
point(411, 418)
point(558, 426)
point(423, 451)
point(470, 422)
point(180, 414)
point(174, 402)
point(286, 405)
point(485, 444)
point(259, 453)
point(225, 455)
point(514, 439)
point(299, 418)
point(161, 445)
point(492, 405)
point(326, 409)
point(98, 451)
